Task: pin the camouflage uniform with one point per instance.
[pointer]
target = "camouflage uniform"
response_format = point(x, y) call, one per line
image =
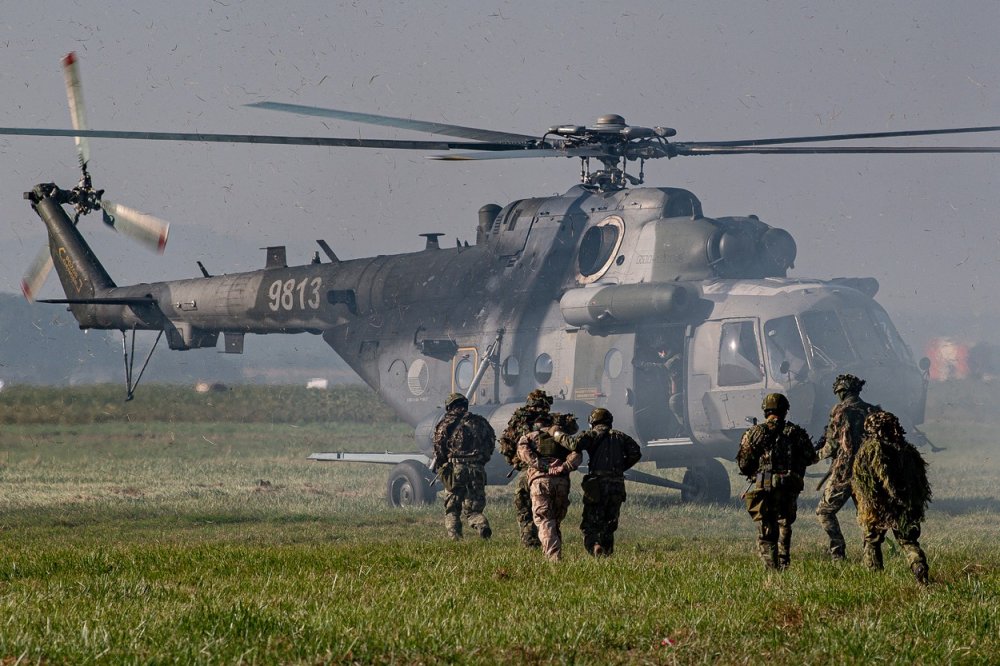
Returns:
point(520, 424)
point(463, 443)
point(892, 492)
point(609, 453)
point(548, 468)
point(774, 454)
point(841, 441)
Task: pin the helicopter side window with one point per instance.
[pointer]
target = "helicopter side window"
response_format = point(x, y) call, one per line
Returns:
point(543, 368)
point(739, 360)
point(464, 371)
point(510, 371)
point(784, 343)
point(827, 341)
point(598, 248)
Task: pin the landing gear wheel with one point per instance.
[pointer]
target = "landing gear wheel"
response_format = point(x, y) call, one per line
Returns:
point(409, 485)
point(709, 483)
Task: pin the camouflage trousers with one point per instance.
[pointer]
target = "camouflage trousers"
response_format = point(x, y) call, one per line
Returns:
point(550, 501)
point(833, 500)
point(908, 540)
point(525, 519)
point(465, 499)
point(774, 512)
point(602, 502)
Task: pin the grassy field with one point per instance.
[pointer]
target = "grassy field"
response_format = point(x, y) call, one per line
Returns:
point(143, 540)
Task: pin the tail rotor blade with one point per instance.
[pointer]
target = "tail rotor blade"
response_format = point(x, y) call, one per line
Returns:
point(149, 230)
point(33, 280)
point(74, 93)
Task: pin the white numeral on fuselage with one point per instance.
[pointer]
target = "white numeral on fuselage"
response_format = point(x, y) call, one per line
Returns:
point(282, 294)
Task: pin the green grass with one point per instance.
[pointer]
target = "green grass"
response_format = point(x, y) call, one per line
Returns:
point(220, 543)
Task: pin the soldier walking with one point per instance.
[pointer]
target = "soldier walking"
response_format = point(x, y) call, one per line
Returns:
point(520, 424)
point(548, 466)
point(892, 492)
point(841, 441)
point(609, 453)
point(774, 456)
point(463, 443)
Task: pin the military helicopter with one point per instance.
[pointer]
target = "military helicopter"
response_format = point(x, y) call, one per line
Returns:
point(611, 295)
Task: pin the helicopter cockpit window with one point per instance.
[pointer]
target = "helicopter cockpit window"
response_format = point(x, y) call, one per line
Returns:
point(825, 336)
point(543, 368)
point(739, 360)
point(679, 206)
point(784, 343)
point(599, 248)
point(865, 337)
point(510, 371)
point(891, 335)
point(464, 371)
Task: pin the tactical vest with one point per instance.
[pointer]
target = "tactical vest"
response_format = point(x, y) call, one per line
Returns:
point(550, 448)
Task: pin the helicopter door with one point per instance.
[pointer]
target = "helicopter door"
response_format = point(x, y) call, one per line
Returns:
point(736, 378)
point(660, 408)
point(463, 370)
point(598, 373)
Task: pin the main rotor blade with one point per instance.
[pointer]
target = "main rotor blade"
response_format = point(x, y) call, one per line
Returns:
point(74, 94)
point(517, 154)
point(263, 139)
point(848, 137)
point(401, 123)
point(702, 149)
point(33, 280)
point(149, 230)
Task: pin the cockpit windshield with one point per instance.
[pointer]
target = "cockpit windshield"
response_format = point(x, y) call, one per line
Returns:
point(784, 344)
point(837, 337)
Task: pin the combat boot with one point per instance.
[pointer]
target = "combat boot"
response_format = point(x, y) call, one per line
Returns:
point(871, 557)
point(453, 526)
point(922, 573)
point(768, 554)
point(599, 551)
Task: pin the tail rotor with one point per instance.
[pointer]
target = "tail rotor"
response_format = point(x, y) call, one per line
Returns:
point(146, 229)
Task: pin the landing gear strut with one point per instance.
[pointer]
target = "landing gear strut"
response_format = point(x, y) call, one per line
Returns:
point(129, 355)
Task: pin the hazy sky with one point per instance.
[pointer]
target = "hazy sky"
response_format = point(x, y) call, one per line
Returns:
point(925, 226)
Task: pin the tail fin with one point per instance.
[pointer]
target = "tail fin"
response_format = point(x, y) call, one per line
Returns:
point(81, 274)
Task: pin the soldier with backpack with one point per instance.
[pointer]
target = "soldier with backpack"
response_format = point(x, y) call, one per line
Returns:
point(774, 456)
point(609, 453)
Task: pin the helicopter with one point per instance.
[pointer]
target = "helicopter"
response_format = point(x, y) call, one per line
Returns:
point(613, 294)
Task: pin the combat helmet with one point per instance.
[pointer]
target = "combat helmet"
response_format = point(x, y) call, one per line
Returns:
point(539, 398)
point(775, 402)
point(884, 425)
point(848, 384)
point(600, 416)
point(454, 399)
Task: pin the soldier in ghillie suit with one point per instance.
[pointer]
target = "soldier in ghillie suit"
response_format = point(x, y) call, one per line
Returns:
point(548, 466)
point(463, 443)
point(891, 491)
point(774, 456)
point(520, 424)
point(609, 453)
point(841, 441)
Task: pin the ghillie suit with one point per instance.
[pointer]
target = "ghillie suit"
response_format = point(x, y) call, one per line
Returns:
point(892, 492)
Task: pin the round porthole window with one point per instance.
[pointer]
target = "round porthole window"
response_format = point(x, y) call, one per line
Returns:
point(613, 363)
point(510, 371)
point(464, 373)
point(543, 368)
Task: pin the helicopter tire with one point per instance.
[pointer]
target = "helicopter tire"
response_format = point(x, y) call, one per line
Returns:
point(709, 483)
point(409, 485)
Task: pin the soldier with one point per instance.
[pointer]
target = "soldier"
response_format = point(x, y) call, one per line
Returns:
point(548, 468)
point(774, 456)
point(463, 443)
point(520, 424)
point(840, 442)
point(892, 492)
point(609, 453)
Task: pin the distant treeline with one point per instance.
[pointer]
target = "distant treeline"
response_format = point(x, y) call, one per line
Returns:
point(105, 403)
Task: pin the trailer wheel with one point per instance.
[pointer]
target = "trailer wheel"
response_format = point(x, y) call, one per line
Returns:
point(409, 485)
point(709, 482)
